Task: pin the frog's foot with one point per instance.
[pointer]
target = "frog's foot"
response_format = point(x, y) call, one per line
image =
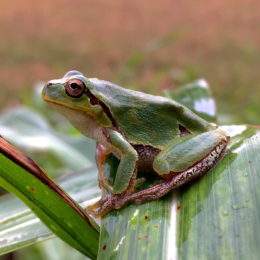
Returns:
point(96, 205)
point(109, 202)
point(103, 206)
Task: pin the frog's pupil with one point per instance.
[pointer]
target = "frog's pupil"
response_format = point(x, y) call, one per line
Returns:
point(74, 85)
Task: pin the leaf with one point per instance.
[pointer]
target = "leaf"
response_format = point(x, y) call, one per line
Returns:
point(29, 131)
point(55, 208)
point(197, 97)
point(19, 227)
point(136, 232)
point(215, 217)
point(219, 215)
point(53, 249)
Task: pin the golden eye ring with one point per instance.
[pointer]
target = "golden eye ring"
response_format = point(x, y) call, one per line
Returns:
point(75, 88)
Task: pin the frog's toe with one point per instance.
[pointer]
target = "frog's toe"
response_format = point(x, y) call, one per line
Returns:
point(104, 183)
point(93, 213)
point(93, 207)
point(103, 206)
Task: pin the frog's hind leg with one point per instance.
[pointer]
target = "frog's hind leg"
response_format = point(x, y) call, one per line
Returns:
point(177, 180)
point(112, 201)
point(185, 152)
point(116, 201)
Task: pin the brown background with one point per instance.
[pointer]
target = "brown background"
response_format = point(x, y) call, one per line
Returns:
point(121, 41)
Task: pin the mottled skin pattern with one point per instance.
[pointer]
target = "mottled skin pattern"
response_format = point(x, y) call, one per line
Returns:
point(147, 133)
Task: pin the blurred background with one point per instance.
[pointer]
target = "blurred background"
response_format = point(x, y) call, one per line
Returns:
point(146, 45)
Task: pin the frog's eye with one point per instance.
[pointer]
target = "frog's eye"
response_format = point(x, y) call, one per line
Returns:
point(75, 88)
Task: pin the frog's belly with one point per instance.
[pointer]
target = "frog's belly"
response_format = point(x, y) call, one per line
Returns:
point(146, 156)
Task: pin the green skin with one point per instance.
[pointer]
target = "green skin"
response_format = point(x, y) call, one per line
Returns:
point(145, 132)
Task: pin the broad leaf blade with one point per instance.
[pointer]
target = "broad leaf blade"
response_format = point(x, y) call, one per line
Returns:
point(201, 230)
point(219, 215)
point(56, 209)
point(136, 232)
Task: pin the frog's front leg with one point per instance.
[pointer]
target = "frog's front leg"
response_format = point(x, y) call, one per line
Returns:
point(126, 172)
point(101, 155)
point(125, 179)
point(125, 175)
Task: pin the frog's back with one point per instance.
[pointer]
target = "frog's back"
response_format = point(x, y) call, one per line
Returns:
point(143, 118)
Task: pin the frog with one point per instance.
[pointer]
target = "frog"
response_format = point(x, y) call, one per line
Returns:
point(147, 133)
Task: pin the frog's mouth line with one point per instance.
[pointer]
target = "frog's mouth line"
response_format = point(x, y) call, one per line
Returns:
point(93, 101)
point(51, 102)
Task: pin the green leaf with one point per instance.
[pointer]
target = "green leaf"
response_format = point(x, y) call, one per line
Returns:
point(55, 208)
point(197, 97)
point(136, 232)
point(209, 209)
point(31, 132)
point(219, 215)
point(19, 227)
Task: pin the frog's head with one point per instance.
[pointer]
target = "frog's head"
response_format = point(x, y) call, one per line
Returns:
point(72, 93)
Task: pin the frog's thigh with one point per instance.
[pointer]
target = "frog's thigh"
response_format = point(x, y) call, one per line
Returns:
point(125, 175)
point(186, 151)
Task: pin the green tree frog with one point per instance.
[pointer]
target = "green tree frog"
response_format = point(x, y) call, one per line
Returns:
point(147, 133)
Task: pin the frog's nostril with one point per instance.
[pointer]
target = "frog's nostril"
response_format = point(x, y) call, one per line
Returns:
point(49, 84)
